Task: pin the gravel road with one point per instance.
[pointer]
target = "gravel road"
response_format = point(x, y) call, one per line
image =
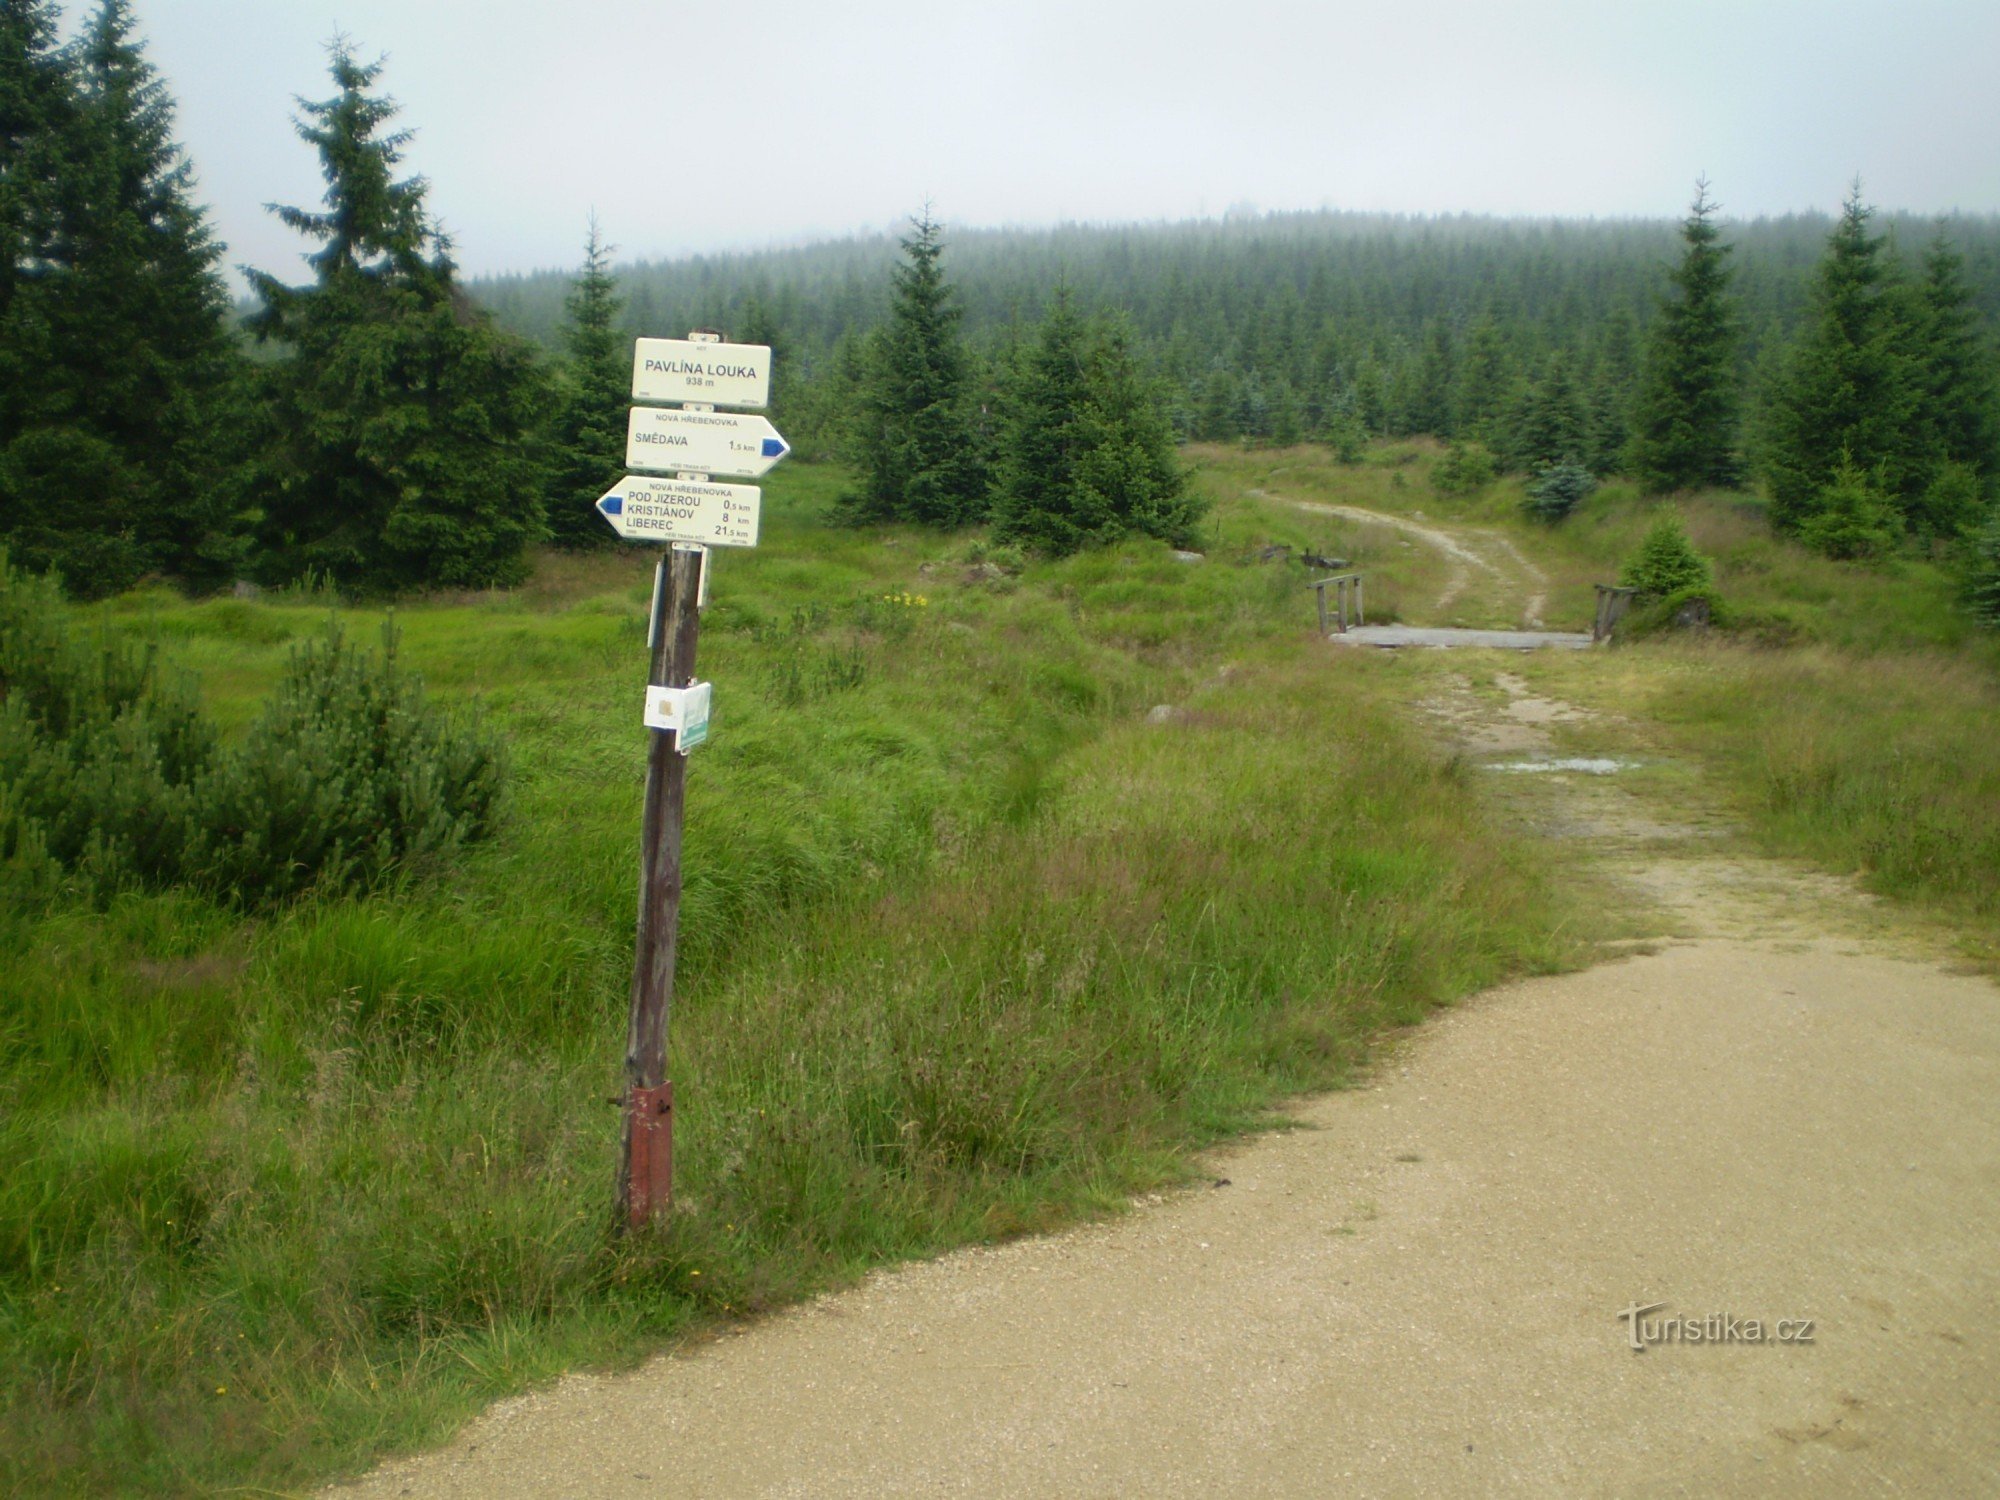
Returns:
point(1419, 1293)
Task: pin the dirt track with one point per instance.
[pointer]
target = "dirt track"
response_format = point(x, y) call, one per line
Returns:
point(1466, 549)
point(1769, 1117)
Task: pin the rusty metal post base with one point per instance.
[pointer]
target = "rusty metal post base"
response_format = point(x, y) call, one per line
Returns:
point(649, 1153)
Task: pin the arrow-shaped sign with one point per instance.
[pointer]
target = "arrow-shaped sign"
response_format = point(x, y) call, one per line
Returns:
point(644, 508)
point(697, 370)
point(668, 438)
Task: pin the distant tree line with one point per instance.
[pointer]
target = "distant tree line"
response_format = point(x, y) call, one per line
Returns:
point(1292, 326)
point(1561, 351)
point(1872, 420)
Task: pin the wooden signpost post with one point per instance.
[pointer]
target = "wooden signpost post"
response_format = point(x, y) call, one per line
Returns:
point(690, 513)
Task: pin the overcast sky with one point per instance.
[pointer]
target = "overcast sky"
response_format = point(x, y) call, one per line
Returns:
point(694, 126)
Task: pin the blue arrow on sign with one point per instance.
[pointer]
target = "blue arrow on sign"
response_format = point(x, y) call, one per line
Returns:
point(612, 505)
point(774, 447)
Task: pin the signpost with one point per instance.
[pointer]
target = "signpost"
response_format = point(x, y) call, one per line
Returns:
point(643, 508)
point(673, 439)
point(691, 514)
point(702, 370)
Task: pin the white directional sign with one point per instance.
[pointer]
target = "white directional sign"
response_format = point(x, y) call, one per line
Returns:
point(668, 438)
point(649, 508)
point(687, 370)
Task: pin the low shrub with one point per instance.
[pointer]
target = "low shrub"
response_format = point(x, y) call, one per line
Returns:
point(1557, 490)
point(98, 755)
point(1855, 519)
point(1465, 469)
point(349, 777)
point(1666, 563)
point(1684, 609)
point(112, 778)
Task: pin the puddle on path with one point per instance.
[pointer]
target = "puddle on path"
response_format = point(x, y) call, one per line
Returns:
point(1588, 765)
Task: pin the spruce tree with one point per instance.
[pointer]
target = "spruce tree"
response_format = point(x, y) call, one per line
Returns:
point(1426, 404)
point(1846, 402)
point(1955, 375)
point(38, 98)
point(1607, 435)
point(1215, 413)
point(1557, 489)
point(820, 402)
point(170, 393)
point(1550, 423)
point(1853, 517)
point(1610, 379)
point(757, 323)
point(1088, 453)
point(1666, 563)
point(1287, 426)
point(1465, 469)
point(116, 316)
point(403, 455)
point(1686, 417)
point(1342, 431)
point(587, 435)
point(917, 447)
point(1371, 397)
point(1253, 407)
point(1981, 580)
point(1485, 389)
point(1130, 475)
point(1035, 500)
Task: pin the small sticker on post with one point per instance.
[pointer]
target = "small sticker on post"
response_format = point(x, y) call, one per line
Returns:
point(682, 712)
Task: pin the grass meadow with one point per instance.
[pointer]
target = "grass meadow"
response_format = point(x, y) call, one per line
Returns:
point(1881, 765)
point(973, 944)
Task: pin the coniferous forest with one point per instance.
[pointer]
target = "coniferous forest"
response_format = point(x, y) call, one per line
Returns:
point(390, 425)
point(1666, 350)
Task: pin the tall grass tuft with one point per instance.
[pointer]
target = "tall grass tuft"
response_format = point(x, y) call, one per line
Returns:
point(1883, 765)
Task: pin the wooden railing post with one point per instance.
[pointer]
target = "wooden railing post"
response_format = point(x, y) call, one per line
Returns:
point(1612, 602)
point(1347, 607)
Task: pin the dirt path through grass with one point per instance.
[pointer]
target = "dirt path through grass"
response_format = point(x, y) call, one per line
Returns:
point(1770, 1103)
point(1470, 551)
